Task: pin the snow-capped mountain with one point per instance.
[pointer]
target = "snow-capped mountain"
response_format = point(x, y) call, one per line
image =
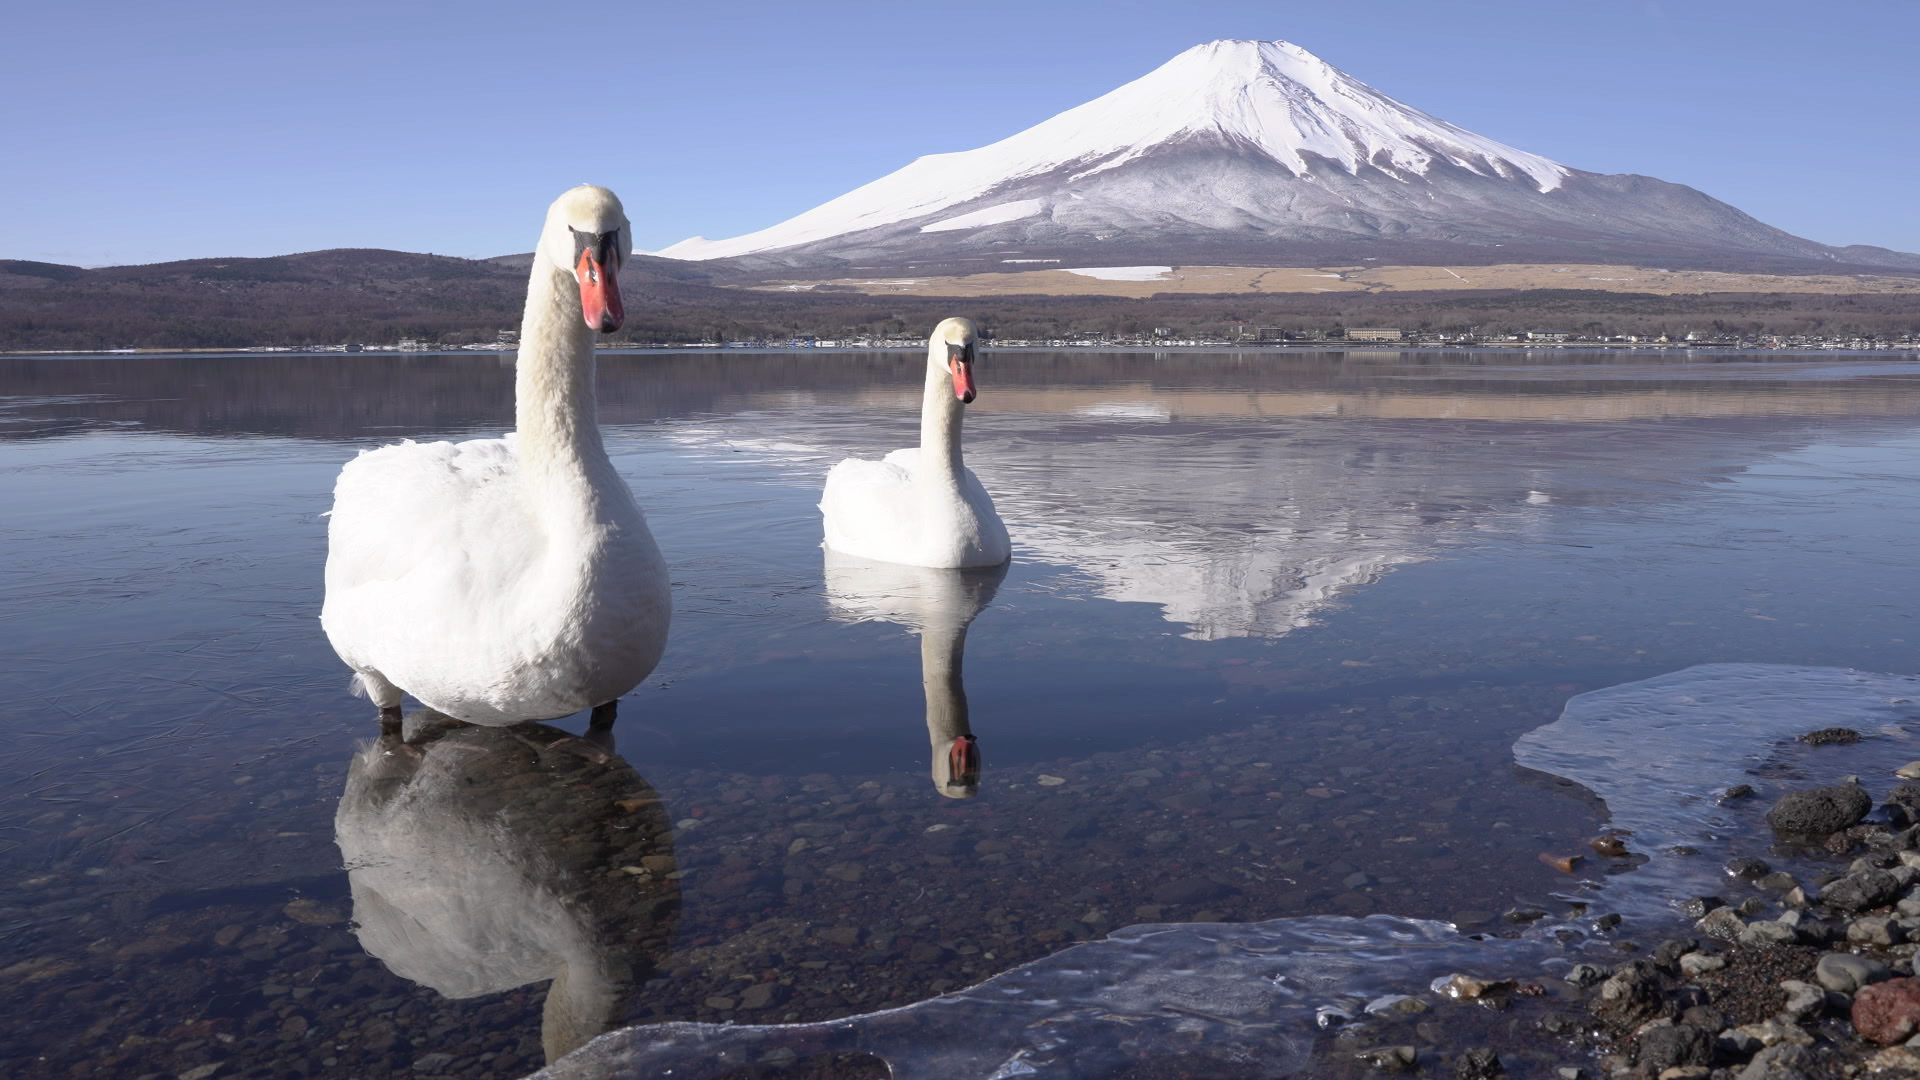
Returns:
point(1256, 152)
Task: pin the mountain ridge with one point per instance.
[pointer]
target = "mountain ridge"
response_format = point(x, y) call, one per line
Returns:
point(1244, 152)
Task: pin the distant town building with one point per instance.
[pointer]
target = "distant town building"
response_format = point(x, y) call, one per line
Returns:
point(1546, 335)
point(1374, 333)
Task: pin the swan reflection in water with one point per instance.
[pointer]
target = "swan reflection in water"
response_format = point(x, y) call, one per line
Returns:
point(485, 858)
point(938, 605)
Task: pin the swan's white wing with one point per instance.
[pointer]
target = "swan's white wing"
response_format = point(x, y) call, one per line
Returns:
point(868, 507)
point(990, 539)
point(424, 538)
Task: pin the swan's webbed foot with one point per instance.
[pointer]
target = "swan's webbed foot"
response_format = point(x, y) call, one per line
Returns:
point(392, 739)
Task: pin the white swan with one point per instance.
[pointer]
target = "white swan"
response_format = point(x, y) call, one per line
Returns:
point(921, 506)
point(938, 605)
point(503, 580)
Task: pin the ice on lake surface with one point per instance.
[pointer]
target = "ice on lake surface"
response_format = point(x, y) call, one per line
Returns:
point(1275, 635)
point(1246, 999)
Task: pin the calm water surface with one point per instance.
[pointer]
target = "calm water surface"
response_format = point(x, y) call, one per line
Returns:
point(1272, 629)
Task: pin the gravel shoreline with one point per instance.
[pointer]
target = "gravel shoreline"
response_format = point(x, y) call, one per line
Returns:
point(1781, 977)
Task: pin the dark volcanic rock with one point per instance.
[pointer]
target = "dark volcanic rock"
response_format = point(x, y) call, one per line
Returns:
point(1664, 1046)
point(1630, 995)
point(1830, 736)
point(1668, 953)
point(1479, 1063)
point(1818, 811)
point(1907, 795)
point(1696, 907)
point(1861, 891)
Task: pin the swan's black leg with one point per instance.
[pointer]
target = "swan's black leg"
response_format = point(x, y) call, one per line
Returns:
point(390, 721)
point(600, 726)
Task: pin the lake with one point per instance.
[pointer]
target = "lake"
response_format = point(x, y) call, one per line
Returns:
point(1276, 629)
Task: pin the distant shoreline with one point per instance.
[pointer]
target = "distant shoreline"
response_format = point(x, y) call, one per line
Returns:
point(1895, 351)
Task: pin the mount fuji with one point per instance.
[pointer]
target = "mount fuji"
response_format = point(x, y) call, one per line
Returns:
point(1259, 153)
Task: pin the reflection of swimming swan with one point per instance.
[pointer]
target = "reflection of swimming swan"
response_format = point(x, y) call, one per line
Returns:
point(938, 605)
point(482, 859)
point(921, 506)
point(501, 580)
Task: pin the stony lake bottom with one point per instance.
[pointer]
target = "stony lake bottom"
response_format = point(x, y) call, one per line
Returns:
point(1274, 624)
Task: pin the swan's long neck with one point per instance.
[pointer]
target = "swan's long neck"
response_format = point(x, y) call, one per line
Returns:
point(940, 413)
point(580, 1004)
point(941, 651)
point(554, 408)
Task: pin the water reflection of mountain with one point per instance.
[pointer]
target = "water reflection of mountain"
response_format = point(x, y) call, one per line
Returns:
point(1243, 507)
point(1240, 492)
point(355, 396)
point(484, 859)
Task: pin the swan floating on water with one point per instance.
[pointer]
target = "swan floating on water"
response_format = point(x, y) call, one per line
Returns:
point(512, 579)
point(921, 506)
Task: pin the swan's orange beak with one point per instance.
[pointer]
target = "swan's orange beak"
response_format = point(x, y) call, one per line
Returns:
point(960, 363)
point(599, 289)
point(963, 762)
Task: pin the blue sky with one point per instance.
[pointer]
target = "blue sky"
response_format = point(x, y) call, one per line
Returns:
point(139, 132)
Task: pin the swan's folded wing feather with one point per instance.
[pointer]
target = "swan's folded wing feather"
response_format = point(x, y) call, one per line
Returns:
point(418, 508)
point(866, 505)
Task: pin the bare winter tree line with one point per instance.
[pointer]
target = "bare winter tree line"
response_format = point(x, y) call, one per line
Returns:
point(372, 297)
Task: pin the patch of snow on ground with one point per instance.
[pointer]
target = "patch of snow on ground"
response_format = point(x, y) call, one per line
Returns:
point(1122, 273)
point(992, 215)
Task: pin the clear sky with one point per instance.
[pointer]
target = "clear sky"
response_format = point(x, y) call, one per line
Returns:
point(141, 131)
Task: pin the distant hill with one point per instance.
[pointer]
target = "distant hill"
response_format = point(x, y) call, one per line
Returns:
point(318, 297)
point(375, 296)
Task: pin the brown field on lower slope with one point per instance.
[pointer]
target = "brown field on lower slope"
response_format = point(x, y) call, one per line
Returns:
point(1150, 281)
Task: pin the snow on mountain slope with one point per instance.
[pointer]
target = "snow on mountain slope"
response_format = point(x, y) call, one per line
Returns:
point(991, 215)
point(1272, 97)
point(1257, 153)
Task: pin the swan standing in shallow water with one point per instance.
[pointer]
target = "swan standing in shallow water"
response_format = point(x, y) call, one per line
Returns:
point(503, 580)
point(921, 506)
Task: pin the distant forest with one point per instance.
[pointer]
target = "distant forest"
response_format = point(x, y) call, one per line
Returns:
point(381, 297)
